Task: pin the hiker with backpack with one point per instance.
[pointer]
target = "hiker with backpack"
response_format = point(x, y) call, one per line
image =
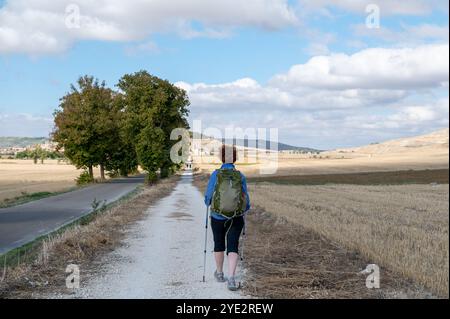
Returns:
point(228, 198)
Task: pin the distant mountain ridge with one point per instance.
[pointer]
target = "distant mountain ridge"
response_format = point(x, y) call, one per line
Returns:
point(11, 141)
point(254, 142)
point(281, 146)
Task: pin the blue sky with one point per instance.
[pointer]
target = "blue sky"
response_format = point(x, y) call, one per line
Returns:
point(257, 64)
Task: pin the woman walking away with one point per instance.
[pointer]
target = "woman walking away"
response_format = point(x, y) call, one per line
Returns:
point(228, 197)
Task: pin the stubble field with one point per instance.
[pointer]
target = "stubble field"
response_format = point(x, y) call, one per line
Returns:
point(404, 228)
point(23, 176)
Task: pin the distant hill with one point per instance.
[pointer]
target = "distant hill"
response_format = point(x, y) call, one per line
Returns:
point(263, 144)
point(281, 146)
point(435, 142)
point(10, 141)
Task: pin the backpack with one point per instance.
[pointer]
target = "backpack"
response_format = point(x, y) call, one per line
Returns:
point(228, 198)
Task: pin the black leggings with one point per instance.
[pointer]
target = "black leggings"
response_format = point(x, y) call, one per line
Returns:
point(229, 230)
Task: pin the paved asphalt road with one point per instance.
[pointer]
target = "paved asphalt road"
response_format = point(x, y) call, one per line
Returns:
point(23, 223)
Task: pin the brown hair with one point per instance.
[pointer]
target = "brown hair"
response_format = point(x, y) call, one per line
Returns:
point(225, 153)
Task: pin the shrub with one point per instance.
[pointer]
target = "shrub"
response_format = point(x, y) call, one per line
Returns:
point(84, 178)
point(165, 172)
point(151, 178)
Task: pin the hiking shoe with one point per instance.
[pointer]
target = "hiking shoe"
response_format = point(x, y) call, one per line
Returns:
point(219, 276)
point(232, 284)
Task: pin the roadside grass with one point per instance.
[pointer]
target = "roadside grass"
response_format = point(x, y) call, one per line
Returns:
point(39, 267)
point(439, 176)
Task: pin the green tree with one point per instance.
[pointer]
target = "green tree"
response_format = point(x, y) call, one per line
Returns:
point(152, 108)
point(171, 113)
point(84, 124)
point(35, 155)
point(42, 154)
point(122, 157)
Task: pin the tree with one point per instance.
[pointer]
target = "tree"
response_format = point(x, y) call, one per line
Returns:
point(122, 157)
point(35, 154)
point(84, 124)
point(120, 130)
point(152, 108)
point(171, 113)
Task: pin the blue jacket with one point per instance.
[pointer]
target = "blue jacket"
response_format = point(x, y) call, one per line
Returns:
point(212, 184)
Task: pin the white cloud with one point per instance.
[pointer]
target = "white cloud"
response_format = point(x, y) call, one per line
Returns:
point(369, 77)
point(317, 49)
point(25, 125)
point(329, 99)
point(387, 7)
point(375, 68)
point(408, 35)
point(39, 26)
point(421, 114)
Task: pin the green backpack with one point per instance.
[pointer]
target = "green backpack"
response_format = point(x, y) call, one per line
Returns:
point(228, 198)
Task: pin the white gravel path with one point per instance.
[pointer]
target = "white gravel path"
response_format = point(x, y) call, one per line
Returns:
point(162, 256)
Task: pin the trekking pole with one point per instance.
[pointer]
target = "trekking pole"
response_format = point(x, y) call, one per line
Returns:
point(206, 238)
point(243, 240)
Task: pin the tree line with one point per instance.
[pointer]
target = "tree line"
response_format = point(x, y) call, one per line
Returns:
point(119, 130)
point(38, 153)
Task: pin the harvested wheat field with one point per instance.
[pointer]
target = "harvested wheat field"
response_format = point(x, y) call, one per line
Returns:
point(285, 260)
point(23, 176)
point(404, 228)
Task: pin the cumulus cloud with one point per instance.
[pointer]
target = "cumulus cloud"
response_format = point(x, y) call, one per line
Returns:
point(41, 26)
point(408, 115)
point(331, 98)
point(371, 76)
point(374, 68)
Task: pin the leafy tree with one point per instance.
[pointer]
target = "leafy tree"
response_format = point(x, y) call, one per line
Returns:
point(122, 157)
point(119, 130)
point(84, 124)
point(35, 155)
point(171, 113)
point(44, 154)
point(152, 108)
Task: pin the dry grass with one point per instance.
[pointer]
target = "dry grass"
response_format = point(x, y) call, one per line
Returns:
point(284, 260)
point(79, 245)
point(404, 228)
point(18, 176)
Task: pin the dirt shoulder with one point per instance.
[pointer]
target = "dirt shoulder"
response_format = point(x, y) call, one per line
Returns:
point(82, 244)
